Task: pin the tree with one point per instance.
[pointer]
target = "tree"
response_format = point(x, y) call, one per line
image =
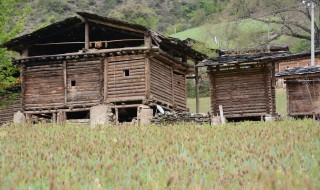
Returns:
point(136, 12)
point(12, 19)
point(291, 16)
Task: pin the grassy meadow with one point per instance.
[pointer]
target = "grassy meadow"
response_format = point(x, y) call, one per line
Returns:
point(246, 155)
point(250, 155)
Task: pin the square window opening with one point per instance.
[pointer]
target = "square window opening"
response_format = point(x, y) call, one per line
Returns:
point(73, 82)
point(126, 73)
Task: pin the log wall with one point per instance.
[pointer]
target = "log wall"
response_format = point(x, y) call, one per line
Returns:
point(161, 82)
point(180, 100)
point(88, 79)
point(303, 97)
point(82, 83)
point(43, 85)
point(121, 87)
point(245, 92)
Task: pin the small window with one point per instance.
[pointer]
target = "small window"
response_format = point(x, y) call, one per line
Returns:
point(126, 73)
point(73, 82)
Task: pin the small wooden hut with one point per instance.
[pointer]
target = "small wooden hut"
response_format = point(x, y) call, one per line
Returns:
point(303, 90)
point(244, 85)
point(88, 60)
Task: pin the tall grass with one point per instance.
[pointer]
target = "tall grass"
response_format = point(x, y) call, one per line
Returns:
point(279, 155)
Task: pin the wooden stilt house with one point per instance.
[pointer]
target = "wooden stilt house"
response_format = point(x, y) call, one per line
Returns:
point(88, 60)
point(303, 90)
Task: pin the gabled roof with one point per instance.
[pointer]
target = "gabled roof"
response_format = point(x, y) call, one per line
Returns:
point(19, 43)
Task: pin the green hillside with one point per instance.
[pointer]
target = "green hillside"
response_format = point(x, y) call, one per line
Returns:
point(246, 34)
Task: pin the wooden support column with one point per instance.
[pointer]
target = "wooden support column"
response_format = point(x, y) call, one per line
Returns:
point(147, 77)
point(65, 85)
point(61, 117)
point(197, 90)
point(273, 86)
point(29, 118)
point(22, 78)
point(54, 118)
point(147, 40)
point(105, 88)
point(86, 33)
point(25, 53)
point(172, 86)
point(268, 89)
point(117, 116)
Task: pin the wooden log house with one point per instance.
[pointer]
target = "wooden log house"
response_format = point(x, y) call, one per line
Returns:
point(303, 91)
point(244, 85)
point(88, 60)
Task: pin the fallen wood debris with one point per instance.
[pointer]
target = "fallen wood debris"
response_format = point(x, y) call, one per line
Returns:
point(180, 117)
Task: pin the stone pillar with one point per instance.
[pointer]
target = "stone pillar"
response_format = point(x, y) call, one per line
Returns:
point(99, 115)
point(145, 115)
point(19, 118)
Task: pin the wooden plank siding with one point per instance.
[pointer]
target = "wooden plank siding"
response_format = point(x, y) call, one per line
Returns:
point(126, 88)
point(82, 83)
point(245, 92)
point(180, 100)
point(161, 82)
point(43, 85)
point(88, 79)
point(303, 97)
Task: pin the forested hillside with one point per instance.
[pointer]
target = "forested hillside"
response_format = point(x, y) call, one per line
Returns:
point(223, 23)
point(166, 16)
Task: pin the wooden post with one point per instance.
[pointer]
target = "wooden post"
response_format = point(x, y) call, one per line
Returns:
point(273, 86)
point(65, 83)
point(54, 118)
point(117, 116)
point(147, 40)
point(22, 80)
point(29, 118)
point(197, 90)
point(25, 53)
point(106, 65)
point(86, 33)
point(147, 77)
point(172, 86)
point(223, 121)
point(61, 117)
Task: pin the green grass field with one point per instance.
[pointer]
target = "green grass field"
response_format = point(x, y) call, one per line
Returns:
point(248, 155)
point(281, 103)
point(245, 155)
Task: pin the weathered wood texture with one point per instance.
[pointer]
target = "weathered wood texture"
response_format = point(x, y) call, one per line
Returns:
point(167, 86)
point(303, 96)
point(7, 111)
point(43, 85)
point(161, 82)
point(180, 100)
point(245, 92)
point(87, 79)
point(122, 87)
point(81, 83)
